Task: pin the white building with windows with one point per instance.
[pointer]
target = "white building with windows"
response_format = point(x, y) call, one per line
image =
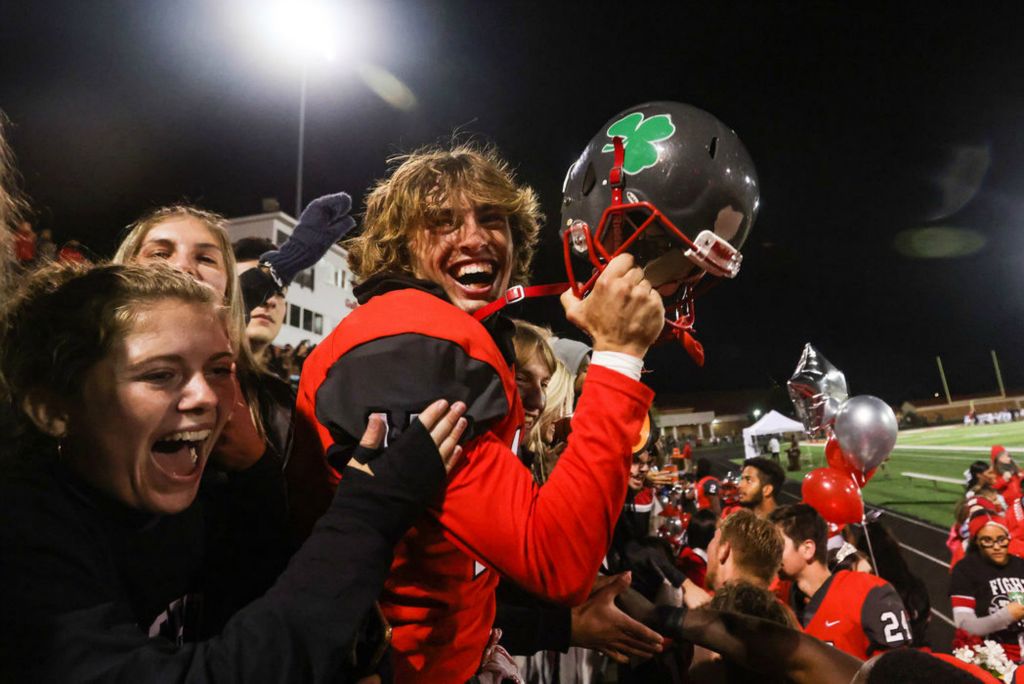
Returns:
point(319, 297)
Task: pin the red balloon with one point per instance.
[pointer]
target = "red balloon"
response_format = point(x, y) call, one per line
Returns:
point(834, 454)
point(863, 478)
point(836, 459)
point(834, 494)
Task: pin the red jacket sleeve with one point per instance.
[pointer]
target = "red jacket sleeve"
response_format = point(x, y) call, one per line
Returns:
point(550, 540)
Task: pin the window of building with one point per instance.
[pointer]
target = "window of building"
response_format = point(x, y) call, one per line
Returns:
point(307, 320)
point(306, 278)
point(294, 316)
point(318, 324)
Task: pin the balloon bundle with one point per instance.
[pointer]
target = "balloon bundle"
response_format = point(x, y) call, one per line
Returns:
point(860, 434)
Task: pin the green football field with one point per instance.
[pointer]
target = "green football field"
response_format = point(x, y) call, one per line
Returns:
point(944, 451)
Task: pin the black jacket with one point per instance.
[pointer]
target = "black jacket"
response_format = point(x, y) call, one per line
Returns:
point(93, 591)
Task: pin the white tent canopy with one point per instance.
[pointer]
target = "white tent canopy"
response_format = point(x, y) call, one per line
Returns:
point(771, 423)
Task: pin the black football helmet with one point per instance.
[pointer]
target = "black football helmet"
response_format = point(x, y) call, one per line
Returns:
point(673, 186)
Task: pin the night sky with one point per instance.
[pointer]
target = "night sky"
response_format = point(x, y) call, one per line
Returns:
point(887, 139)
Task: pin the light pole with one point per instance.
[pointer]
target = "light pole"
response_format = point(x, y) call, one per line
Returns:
point(302, 137)
point(310, 30)
point(304, 30)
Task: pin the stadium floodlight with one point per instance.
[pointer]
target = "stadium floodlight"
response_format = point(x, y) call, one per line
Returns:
point(308, 33)
point(757, 413)
point(302, 30)
point(306, 29)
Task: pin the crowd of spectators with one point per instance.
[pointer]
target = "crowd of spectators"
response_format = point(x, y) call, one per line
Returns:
point(419, 497)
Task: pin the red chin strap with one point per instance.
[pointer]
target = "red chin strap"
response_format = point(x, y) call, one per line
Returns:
point(713, 254)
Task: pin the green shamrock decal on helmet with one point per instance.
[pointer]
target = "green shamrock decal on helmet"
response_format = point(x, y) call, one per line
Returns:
point(638, 137)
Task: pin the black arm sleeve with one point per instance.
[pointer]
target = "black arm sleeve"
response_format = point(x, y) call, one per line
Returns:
point(765, 647)
point(296, 632)
point(419, 370)
point(529, 624)
point(247, 540)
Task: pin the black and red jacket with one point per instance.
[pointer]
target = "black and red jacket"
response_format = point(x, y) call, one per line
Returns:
point(405, 347)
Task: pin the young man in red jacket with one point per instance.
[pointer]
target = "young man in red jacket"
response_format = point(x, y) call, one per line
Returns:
point(853, 611)
point(443, 236)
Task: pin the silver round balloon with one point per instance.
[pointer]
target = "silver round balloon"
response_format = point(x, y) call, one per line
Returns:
point(866, 429)
point(817, 389)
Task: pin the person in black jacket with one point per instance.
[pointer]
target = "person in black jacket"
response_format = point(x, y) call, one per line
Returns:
point(120, 379)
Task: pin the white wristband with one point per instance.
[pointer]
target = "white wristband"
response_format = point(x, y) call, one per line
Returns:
point(628, 365)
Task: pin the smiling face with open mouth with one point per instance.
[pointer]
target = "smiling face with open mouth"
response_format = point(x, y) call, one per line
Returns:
point(468, 252)
point(152, 408)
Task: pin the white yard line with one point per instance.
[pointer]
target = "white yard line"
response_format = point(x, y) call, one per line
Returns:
point(912, 520)
point(925, 555)
point(935, 447)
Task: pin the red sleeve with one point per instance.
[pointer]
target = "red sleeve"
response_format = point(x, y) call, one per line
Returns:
point(1013, 490)
point(550, 540)
point(961, 588)
point(1015, 519)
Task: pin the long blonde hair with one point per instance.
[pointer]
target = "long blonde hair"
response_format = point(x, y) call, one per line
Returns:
point(560, 395)
point(532, 341)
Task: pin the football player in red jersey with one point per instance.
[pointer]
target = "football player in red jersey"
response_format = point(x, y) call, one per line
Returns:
point(854, 611)
point(443, 236)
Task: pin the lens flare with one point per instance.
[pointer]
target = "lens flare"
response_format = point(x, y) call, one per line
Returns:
point(938, 242)
point(387, 86)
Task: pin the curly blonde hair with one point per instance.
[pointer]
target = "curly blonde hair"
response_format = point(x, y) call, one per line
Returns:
point(559, 397)
point(432, 178)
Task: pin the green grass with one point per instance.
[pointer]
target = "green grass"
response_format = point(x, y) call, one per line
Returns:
point(914, 452)
point(1010, 435)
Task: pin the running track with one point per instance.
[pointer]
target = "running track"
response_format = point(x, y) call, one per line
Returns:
point(924, 547)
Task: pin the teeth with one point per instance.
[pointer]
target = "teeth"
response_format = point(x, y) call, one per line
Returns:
point(478, 267)
point(188, 436)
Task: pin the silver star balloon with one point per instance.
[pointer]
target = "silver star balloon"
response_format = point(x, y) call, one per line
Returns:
point(817, 389)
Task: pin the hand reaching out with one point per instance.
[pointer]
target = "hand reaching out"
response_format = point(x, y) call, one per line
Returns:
point(599, 624)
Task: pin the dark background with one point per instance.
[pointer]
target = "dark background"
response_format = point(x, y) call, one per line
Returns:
point(867, 123)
